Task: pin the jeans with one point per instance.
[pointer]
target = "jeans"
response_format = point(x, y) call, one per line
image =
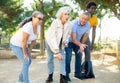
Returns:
point(87, 50)
point(23, 76)
point(51, 61)
point(78, 58)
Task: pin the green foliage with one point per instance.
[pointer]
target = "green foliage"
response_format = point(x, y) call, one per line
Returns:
point(5, 45)
point(49, 9)
point(10, 9)
point(73, 15)
point(112, 7)
point(98, 46)
point(9, 12)
point(23, 15)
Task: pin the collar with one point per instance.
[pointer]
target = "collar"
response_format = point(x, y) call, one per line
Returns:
point(60, 23)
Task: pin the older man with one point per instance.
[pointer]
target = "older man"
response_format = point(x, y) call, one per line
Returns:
point(80, 26)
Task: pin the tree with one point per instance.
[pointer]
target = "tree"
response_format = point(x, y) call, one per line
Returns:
point(9, 12)
point(111, 7)
point(49, 10)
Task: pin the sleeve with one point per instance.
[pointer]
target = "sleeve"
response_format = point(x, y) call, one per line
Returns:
point(51, 36)
point(26, 28)
point(67, 32)
point(73, 27)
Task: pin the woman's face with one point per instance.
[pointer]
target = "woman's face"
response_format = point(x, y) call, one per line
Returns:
point(65, 16)
point(38, 19)
point(83, 19)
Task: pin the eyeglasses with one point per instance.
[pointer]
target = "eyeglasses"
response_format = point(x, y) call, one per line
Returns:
point(40, 18)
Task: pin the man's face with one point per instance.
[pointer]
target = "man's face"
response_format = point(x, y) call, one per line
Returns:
point(83, 19)
point(92, 9)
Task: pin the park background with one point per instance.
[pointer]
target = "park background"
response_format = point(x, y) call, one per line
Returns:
point(105, 57)
point(107, 39)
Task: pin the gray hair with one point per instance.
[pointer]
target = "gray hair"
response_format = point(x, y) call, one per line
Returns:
point(28, 19)
point(35, 13)
point(62, 10)
point(88, 14)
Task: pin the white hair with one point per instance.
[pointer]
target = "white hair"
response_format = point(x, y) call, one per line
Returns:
point(62, 10)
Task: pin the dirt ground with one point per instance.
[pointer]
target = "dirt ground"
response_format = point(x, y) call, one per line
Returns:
point(106, 69)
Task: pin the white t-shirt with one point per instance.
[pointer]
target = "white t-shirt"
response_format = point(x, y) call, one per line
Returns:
point(28, 28)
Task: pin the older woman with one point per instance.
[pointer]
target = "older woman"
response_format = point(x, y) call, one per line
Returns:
point(56, 38)
point(27, 33)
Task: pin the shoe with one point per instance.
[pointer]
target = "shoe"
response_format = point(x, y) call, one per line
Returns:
point(63, 79)
point(78, 77)
point(68, 78)
point(50, 78)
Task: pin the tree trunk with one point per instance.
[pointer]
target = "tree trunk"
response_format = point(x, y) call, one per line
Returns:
point(42, 39)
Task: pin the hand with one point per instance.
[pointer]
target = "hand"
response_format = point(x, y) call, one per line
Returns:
point(65, 44)
point(26, 57)
point(82, 47)
point(29, 52)
point(59, 56)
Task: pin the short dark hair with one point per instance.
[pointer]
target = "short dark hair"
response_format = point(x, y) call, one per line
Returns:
point(89, 4)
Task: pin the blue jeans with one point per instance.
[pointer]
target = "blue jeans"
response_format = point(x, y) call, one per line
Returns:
point(87, 50)
point(78, 58)
point(51, 61)
point(23, 76)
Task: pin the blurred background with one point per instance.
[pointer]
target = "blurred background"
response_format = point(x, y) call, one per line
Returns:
point(107, 40)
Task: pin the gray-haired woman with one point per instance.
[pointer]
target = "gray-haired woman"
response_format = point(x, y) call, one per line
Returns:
point(27, 33)
point(56, 39)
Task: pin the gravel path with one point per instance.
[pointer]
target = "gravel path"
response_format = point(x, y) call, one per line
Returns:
point(106, 70)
